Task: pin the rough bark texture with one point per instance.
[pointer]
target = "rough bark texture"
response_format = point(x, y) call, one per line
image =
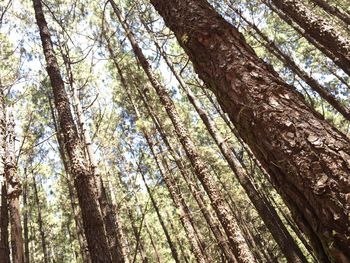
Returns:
point(83, 179)
point(14, 191)
point(264, 208)
point(84, 132)
point(105, 206)
point(319, 29)
point(234, 235)
point(307, 158)
point(4, 213)
point(289, 62)
point(80, 236)
point(4, 223)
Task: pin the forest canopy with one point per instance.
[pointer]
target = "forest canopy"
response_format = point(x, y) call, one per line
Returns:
point(174, 131)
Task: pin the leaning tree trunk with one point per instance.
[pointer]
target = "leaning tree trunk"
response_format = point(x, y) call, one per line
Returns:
point(83, 179)
point(186, 220)
point(176, 196)
point(229, 224)
point(264, 208)
point(105, 206)
point(14, 191)
point(307, 158)
point(222, 241)
point(318, 29)
point(161, 221)
point(290, 63)
point(84, 252)
point(193, 187)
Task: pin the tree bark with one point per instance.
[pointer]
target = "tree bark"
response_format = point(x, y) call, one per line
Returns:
point(306, 157)
point(83, 179)
point(186, 220)
point(4, 213)
point(178, 241)
point(289, 62)
point(14, 192)
point(125, 251)
point(105, 206)
point(223, 243)
point(318, 29)
point(72, 195)
point(234, 235)
point(270, 217)
point(195, 192)
point(4, 223)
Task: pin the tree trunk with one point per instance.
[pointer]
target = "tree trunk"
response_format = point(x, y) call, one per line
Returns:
point(318, 29)
point(289, 62)
point(221, 240)
point(4, 213)
point(236, 240)
point(333, 10)
point(186, 220)
point(4, 223)
point(178, 241)
point(14, 191)
point(196, 243)
point(72, 196)
point(125, 251)
point(270, 217)
point(195, 191)
point(307, 158)
point(83, 179)
point(105, 206)
point(149, 233)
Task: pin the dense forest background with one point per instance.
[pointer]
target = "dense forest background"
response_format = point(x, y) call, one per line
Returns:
point(153, 131)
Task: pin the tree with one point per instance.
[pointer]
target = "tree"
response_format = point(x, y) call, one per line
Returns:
point(14, 191)
point(293, 143)
point(234, 235)
point(84, 182)
point(318, 29)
